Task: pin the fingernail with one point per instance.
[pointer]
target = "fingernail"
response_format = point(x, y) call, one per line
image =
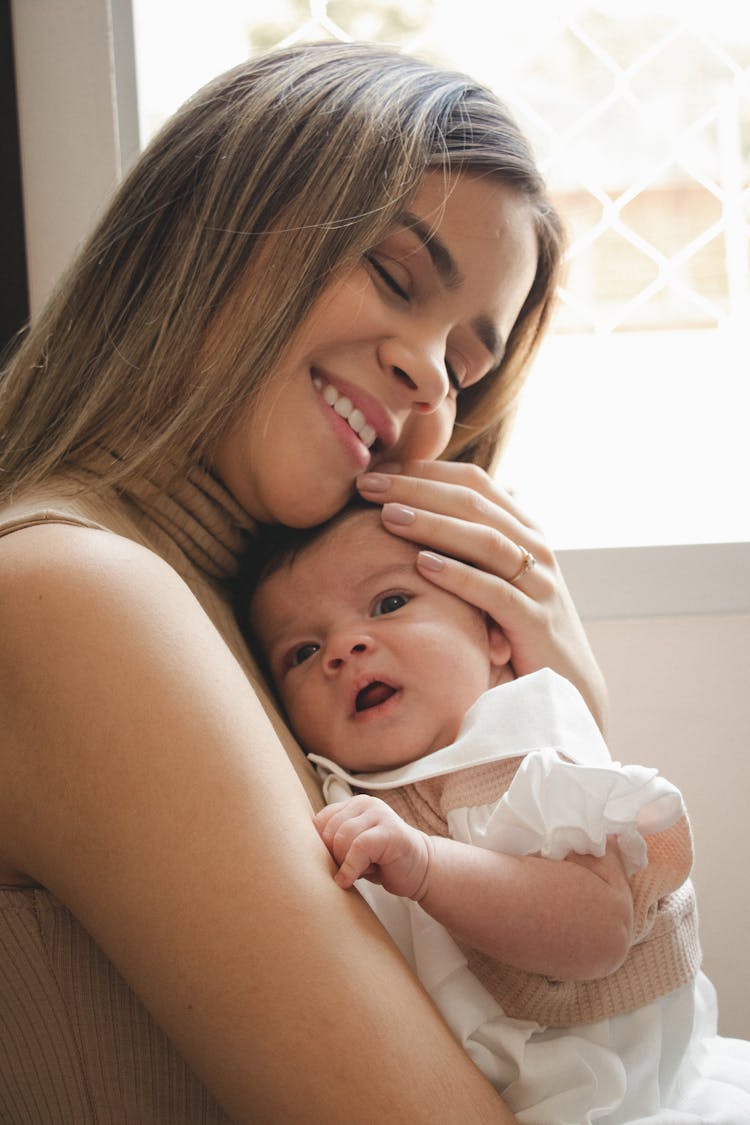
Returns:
point(428, 561)
point(373, 482)
point(398, 514)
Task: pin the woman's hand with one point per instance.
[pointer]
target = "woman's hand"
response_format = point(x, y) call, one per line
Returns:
point(477, 539)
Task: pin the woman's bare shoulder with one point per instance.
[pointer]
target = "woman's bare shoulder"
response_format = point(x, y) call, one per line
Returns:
point(63, 586)
point(108, 665)
point(75, 600)
point(55, 553)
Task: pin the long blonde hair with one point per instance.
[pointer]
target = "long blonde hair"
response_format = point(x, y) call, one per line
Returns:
point(322, 142)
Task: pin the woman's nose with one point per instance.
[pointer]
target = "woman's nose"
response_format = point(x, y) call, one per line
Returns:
point(420, 368)
point(345, 646)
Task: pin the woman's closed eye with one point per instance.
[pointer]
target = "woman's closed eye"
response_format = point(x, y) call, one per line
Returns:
point(453, 378)
point(386, 276)
point(389, 603)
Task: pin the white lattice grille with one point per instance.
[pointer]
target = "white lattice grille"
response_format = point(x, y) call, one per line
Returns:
point(641, 122)
point(633, 427)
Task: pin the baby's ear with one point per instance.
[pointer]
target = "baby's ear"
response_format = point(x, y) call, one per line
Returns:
point(500, 667)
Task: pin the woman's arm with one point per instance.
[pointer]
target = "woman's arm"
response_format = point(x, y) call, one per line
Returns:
point(458, 511)
point(569, 919)
point(143, 785)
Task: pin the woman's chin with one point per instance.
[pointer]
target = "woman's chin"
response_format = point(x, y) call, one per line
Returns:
point(313, 510)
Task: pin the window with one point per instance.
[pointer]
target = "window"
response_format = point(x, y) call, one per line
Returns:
point(632, 428)
point(630, 446)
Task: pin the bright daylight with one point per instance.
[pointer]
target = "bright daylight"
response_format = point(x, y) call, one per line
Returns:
point(632, 429)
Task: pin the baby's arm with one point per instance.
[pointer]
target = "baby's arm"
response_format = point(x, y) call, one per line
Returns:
point(569, 920)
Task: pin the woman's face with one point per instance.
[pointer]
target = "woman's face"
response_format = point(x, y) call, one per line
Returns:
point(374, 372)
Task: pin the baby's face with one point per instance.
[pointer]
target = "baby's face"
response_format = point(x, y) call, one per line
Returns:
point(374, 664)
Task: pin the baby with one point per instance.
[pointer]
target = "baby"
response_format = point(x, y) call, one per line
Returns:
point(543, 890)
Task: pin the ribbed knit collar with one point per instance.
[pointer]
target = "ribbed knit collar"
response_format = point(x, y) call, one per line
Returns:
point(199, 516)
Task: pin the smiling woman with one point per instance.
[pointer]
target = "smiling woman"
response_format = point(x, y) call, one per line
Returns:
point(251, 275)
point(156, 836)
point(387, 352)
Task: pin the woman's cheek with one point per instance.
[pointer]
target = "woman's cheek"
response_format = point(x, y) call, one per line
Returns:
point(428, 435)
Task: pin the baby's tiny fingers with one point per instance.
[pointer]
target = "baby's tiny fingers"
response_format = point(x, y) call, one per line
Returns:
point(362, 856)
point(322, 820)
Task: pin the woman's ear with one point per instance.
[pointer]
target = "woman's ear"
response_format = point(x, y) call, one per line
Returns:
point(500, 667)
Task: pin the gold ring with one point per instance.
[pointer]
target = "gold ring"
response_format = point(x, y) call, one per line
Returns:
point(528, 563)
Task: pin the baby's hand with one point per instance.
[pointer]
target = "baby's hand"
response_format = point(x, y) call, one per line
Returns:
point(369, 840)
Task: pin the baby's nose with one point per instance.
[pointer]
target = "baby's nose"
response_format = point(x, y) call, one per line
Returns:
point(341, 649)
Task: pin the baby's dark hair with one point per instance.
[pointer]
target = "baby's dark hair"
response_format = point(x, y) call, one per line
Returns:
point(274, 547)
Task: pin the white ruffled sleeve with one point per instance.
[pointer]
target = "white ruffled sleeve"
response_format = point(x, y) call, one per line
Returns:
point(553, 807)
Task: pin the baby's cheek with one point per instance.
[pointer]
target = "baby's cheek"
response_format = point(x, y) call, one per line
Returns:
point(309, 725)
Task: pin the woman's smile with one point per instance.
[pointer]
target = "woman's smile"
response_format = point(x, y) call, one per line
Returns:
point(344, 408)
point(358, 419)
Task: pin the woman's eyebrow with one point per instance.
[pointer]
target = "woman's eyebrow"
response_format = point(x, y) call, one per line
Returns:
point(452, 278)
point(442, 259)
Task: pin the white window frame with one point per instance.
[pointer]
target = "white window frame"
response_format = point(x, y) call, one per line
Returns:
point(611, 583)
point(79, 131)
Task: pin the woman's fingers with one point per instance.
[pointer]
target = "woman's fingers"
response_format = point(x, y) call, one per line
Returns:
point(443, 510)
point(495, 549)
point(503, 602)
point(449, 498)
point(447, 486)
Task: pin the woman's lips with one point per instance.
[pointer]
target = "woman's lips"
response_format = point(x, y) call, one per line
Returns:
point(346, 409)
point(362, 412)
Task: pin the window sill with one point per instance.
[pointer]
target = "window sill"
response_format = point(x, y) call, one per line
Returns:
point(674, 581)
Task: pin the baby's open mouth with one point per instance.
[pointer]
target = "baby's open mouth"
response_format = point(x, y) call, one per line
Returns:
point(373, 695)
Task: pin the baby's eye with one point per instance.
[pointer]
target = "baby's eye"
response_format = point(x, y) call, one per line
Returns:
point(389, 604)
point(303, 653)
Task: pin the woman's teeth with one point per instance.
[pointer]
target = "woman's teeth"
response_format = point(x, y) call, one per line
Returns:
point(345, 409)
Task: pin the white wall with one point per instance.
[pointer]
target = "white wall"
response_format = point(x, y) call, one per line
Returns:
point(75, 137)
point(680, 695)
